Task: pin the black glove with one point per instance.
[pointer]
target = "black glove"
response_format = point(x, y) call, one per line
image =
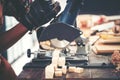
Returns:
point(14, 8)
point(39, 13)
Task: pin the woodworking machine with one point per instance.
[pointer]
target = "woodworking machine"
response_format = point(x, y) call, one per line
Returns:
point(62, 31)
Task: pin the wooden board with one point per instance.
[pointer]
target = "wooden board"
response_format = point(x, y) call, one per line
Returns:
point(103, 48)
point(88, 73)
point(109, 37)
point(115, 39)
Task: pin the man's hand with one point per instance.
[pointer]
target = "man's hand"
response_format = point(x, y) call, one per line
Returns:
point(39, 12)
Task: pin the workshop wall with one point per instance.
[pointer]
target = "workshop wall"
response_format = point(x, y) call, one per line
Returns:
point(19, 48)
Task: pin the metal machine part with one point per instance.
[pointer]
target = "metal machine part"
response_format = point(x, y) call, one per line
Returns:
point(61, 31)
point(59, 44)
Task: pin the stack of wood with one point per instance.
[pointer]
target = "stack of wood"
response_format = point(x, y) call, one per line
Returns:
point(57, 68)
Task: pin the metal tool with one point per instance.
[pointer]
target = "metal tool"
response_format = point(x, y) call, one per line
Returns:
point(61, 31)
point(59, 43)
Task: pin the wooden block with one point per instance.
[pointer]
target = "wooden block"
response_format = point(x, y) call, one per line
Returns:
point(54, 61)
point(61, 61)
point(79, 70)
point(64, 69)
point(49, 72)
point(72, 69)
point(56, 53)
point(58, 72)
point(55, 67)
point(55, 56)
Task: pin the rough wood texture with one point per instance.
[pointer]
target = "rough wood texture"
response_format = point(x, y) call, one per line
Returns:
point(88, 74)
point(31, 74)
point(105, 48)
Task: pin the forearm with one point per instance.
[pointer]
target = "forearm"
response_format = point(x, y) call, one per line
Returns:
point(10, 37)
point(6, 71)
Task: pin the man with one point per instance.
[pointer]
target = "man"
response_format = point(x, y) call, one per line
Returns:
point(36, 14)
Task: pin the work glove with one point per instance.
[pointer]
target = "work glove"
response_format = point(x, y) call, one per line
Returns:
point(34, 15)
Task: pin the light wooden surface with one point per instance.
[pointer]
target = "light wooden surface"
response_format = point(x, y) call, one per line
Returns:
point(106, 45)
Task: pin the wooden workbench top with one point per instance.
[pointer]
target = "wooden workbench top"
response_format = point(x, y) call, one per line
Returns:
point(88, 74)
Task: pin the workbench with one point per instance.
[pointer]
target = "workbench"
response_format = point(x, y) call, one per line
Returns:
point(93, 73)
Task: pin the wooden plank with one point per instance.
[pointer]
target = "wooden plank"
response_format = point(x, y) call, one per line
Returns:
point(113, 40)
point(88, 74)
point(105, 48)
